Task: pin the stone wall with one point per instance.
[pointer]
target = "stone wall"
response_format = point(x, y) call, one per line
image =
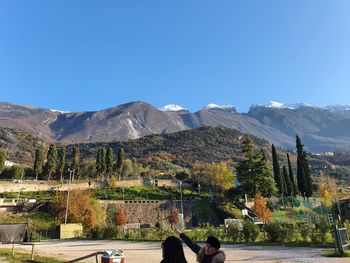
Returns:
point(26, 186)
point(149, 212)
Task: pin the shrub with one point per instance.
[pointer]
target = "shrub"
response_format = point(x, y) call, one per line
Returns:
point(277, 232)
point(305, 230)
point(233, 233)
point(290, 232)
point(111, 231)
point(274, 231)
point(96, 232)
point(320, 232)
point(250, 231)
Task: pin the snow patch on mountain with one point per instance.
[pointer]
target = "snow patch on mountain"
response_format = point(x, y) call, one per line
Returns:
point(337, 108)
point(59, 111)
point(279, 105)
point(172, 107)
point(225, 107)
point(275, 105)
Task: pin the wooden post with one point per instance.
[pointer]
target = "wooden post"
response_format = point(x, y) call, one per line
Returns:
point(32, 256)
point(13, 249)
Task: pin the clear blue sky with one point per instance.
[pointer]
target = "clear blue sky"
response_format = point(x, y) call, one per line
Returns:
point(91, 55)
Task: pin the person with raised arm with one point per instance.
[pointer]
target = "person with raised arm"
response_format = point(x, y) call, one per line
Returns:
point(209, 253)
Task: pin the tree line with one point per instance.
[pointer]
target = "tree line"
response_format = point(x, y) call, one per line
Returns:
point(252, 175)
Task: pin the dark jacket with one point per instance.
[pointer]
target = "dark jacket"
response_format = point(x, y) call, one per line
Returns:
point(219, 257)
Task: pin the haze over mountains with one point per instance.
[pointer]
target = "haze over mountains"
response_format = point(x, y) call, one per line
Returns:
point(321, 129)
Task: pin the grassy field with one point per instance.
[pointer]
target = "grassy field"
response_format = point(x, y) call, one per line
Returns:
point(21, 256)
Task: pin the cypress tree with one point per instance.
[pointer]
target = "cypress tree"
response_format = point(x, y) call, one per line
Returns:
point(103, 160)
point(76, 162)
point(300, 169)
point(3, 158)
point(308, 178)
point(38, 162)
point(51, 163)
point(98, 162)
point(303, 171)
point(291, 176)
point(120, 160)
point(289, 186)
point(277, 172)
point(109, 161)
point(62, 161)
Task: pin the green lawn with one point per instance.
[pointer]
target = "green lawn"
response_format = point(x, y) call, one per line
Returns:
point(21, 256)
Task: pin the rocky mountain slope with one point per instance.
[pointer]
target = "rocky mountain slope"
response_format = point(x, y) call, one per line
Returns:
point(321, 129)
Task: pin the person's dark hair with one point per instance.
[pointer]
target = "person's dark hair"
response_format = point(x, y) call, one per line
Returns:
point(173, 251)
point(213, 241)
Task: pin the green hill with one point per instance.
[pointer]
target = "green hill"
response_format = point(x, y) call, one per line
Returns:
point(20, 145)
point(206, 144)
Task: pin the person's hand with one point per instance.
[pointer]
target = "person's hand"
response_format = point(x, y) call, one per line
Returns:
point(176, 229)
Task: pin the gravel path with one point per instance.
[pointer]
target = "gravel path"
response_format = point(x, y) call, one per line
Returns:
point(149, 252)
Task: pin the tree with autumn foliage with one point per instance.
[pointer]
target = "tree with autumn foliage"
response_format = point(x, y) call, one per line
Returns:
point(262, 212)
point(90, 217)
point(174, 216)
point(120, 217)
point(82, 208)
point(219, 176)
point(327, 189)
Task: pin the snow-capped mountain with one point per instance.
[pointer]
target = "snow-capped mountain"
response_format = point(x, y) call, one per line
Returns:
point(172, 107)
point(279, 105)
point(224, 107)
point(336, 108)
point(342, 110)
point(322, 129)
point(59, 111)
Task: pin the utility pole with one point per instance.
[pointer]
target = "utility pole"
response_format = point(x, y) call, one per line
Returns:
point(71, 171)
point(182, 208)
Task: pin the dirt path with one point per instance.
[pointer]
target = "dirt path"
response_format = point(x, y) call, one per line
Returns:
point(151, 252)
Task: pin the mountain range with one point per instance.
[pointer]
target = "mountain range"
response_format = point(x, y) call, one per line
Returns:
point(321, 129)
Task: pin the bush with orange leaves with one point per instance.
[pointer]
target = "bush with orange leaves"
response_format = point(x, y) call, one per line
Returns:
point(120, 217)
point(81, 207)
point(260, 209)
point(174, 216)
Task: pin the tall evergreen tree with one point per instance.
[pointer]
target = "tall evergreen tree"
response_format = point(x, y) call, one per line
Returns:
point(277, 172)
point(109, 162)
point(76, 162)
point(120, 160)
point(62, 161)
point(98, 162)
point(291, 176)
point(254, 173)
point(308, 178)
point(289, 186)
point(38, 162)
point(303, 171)
point(51, 163)
point(103, 154)
point(264, 181)
point(300, 168)
point(3, 158)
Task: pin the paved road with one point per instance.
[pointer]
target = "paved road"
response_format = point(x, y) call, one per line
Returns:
point(149, 252)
